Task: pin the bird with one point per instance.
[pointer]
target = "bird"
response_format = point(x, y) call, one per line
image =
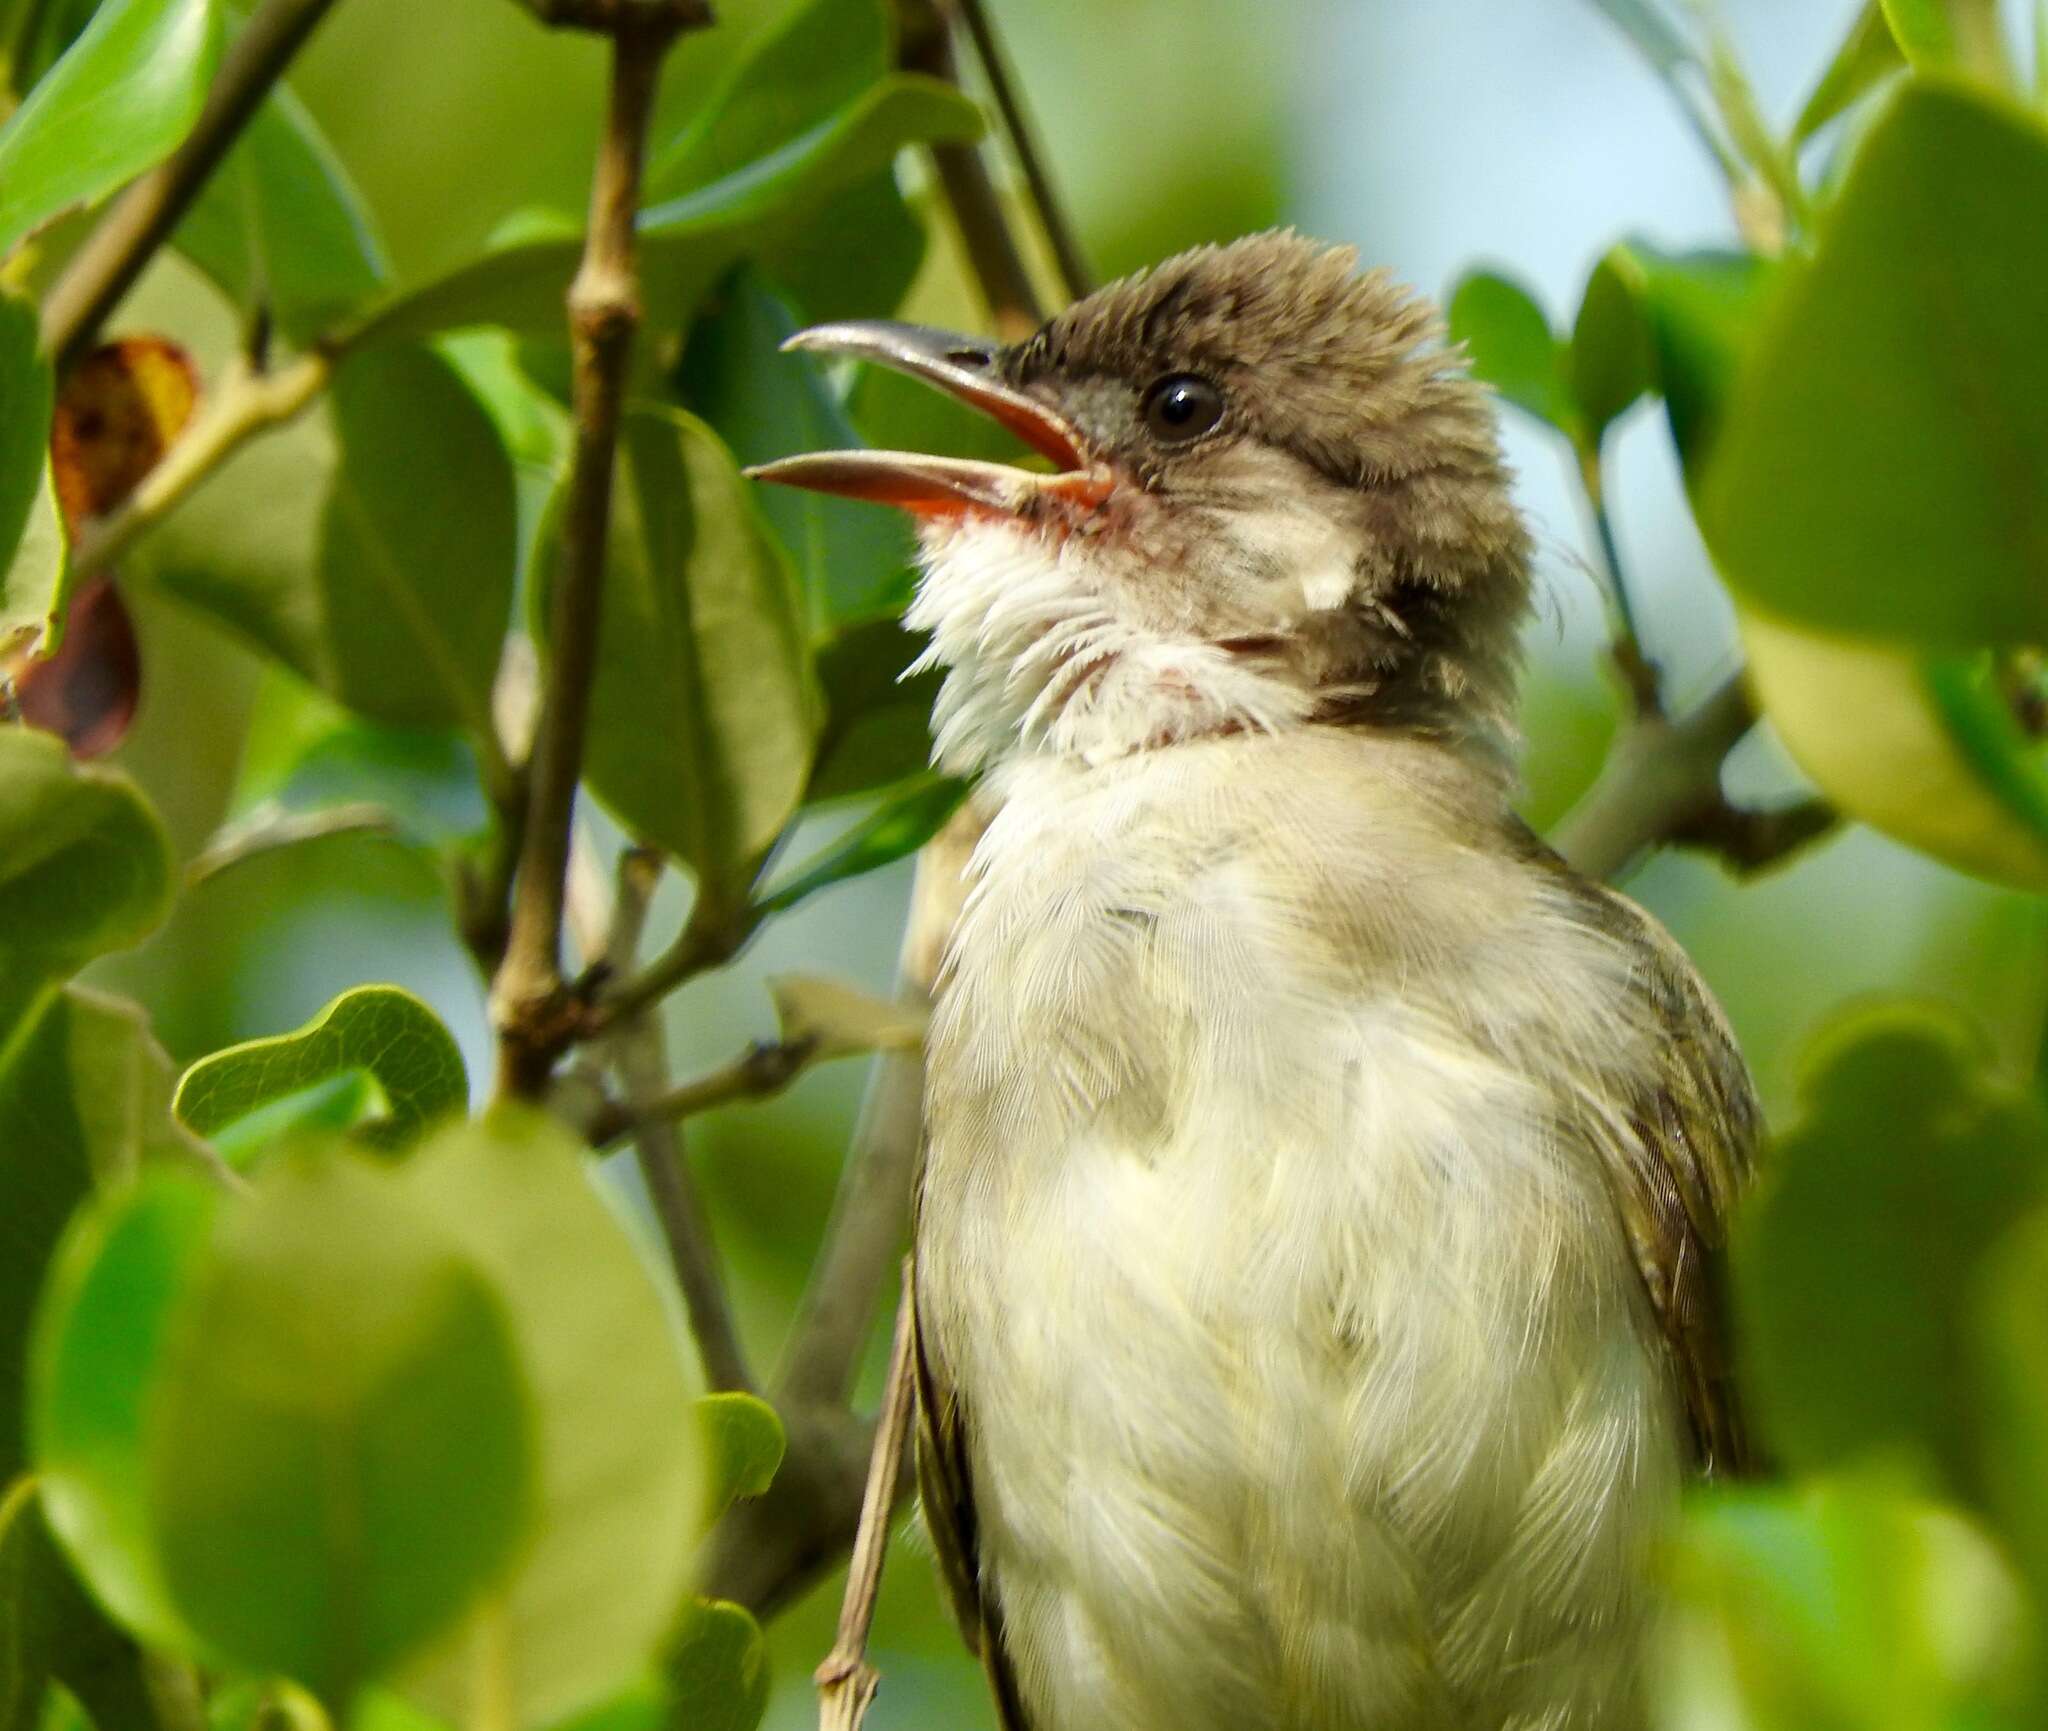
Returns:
point(1316, 1259)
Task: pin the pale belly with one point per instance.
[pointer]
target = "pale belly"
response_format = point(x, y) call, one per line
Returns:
point(1310, 1384)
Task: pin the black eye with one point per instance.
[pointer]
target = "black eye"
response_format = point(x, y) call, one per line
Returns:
point(1182, 407)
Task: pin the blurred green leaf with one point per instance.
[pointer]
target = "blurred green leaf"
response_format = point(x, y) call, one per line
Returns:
point(687, 243)
point(638, 1708)
point(278, 225)
point(897, 827)
point(620, 1482)
point(2012, 1360)
point(1868, 55)
point(871, 222)
point(371, 546)
point(743, 1444)
point(121, 97)
point(1512, 346)
point(817, 57)
point(380, 1030)
point(1923, 747)
point(1886, 460)
point(1857, 1267)
point(339, 1437)
point(1610, 362)
point(702, 650)
point(1655, 35)
point(28, 388)
point(1835, 1607)
point(36, 579)
point(718, 1671)
point(1946, 33)
point(85, 866)
point(104, 1333)
point(853, 560)
point(51, 1632)
point(877, 723)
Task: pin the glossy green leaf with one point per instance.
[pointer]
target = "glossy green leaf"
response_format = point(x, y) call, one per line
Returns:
point(896, 828)
point(51, 1632)
point(1835, 1607)
point(106, 1330)
point(1948, 33)
point(85, 866)
point(689, 242)
point(382, 1031)
point(816, 58)
point(1857, 1266)
point(1923, 747)
point(1868, 55)
point(371, 546)
point(703, 650)
point(1512, 346)
point(620, 1481)
point(718, 1670)
point(278, 225)
point(743, 1445)
point(339, 1439)
point(28, 388)
point(877, 723)
point(1885, 466)
point(121, 98)
point(853, 560)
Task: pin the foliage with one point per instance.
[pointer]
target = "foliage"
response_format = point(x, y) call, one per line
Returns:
point(324, 1397)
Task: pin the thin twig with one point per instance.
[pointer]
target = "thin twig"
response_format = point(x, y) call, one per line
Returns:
point(709, 939)
point(1052, 216)
point(762, 1071)
point(1638, 672)
point(535, 1018)
point(142, 219)
point(846, 1681)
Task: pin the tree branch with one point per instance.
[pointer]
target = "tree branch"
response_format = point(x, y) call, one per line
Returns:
point(535, 1015)
point(846, 1681)
point(143, 217)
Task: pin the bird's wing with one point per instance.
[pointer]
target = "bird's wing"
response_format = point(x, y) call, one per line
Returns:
point(946, 1495)
point(1696, 1127)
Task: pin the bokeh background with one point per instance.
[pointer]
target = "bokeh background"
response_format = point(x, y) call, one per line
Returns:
point(1435, 135)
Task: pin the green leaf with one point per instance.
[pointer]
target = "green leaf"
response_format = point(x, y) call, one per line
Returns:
point(817, 57)
point(743, 1445)
point(1857, 1267)
point(1936, 34)
point(122, 96)
point(1512, 346)
point(897, 827)
point(1885, 464)
point(877, 722)
point(620, 1482)
point(2012, 1357)
point(278, 225)
point(85, 866)
point(853, 561)
point(1923, 747)
point(702, 649)
point(1656, 37)
point(1836, 1607)
point(104, 1333)
point(718, 1670)
point(28, 388)
point(36, 582)
point(380, 1030)
point(1868, 55)
point(687, 243)
point(371, 547)
point(339, 1456)
point(51, 1632)
point(871, 222)
point(1610, 362)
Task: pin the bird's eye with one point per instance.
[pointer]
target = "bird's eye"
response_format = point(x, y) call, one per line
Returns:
point(1182, 407)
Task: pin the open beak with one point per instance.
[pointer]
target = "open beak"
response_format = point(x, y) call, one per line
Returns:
point(931, 486)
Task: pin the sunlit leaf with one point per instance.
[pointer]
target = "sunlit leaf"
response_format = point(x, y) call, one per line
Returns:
point(338, 1445)
point(620, 1479)
point(1857, 1266)
point(1868, 55)
point(690, 241)
point(371, 546)
point(278, 225)
point(121, 97)
point(718, 1670)
point(702, 650)
point(853, 561)
point(898, 827)
point(1886, 454)
point(743, 1445)
point(382, 1031)
point(1512, 346)
point(28, 390)
point(1944, 33)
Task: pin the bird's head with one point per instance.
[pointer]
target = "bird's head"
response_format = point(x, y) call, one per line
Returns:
point(1276, 499)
